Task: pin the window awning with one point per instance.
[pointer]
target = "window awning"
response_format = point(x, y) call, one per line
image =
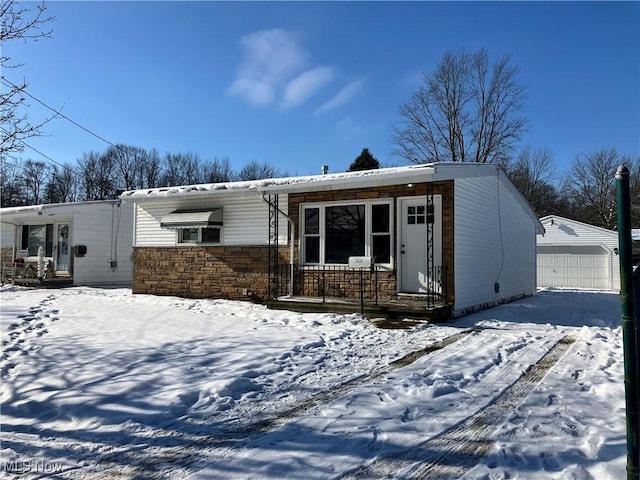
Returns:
point(192, 218)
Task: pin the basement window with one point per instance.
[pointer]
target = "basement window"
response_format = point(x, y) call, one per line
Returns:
point(195, 226)
point(206, 235)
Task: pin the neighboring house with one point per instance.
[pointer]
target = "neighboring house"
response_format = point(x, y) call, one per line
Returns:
point(84, 243)
point(573, 254)
point(458, 236)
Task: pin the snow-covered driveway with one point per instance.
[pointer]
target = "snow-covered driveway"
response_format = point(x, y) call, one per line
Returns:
point(100, 383)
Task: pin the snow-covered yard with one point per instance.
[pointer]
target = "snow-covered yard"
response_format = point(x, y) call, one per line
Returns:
point(100, 383)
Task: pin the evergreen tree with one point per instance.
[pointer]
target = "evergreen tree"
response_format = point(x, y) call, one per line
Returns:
point(364, 161)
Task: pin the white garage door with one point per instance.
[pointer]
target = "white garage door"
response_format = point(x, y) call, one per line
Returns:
point(574, 267)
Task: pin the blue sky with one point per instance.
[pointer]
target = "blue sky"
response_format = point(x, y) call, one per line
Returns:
point(305, 84)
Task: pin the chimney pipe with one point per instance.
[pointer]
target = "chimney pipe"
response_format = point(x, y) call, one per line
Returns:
point(325, 169)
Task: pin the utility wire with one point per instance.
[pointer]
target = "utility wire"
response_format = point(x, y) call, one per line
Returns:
point(60, 114)
point(65, 167)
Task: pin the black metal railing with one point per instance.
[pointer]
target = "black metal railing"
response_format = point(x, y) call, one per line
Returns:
point(330, 282)
point(336, 282)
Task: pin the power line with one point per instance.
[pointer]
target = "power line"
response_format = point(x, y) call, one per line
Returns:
point(65, 167)
point(59, 113)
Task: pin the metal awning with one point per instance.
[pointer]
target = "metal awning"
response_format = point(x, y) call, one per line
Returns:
point(192, 218)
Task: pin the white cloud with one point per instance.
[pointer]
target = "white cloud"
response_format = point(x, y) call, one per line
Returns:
point(306, 85)
point(342, 97)
point(348, 128)
point(271, 59)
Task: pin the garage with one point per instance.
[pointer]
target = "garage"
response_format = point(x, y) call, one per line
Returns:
point(577, 267)
point(573, 254)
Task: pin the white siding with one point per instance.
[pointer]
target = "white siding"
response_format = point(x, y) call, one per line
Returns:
point(571, 233)
point(106, 229)
point(245, 220)
point(494, 243)
point(147, 226)
point(7, 235)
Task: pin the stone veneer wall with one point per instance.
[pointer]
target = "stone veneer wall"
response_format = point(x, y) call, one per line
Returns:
point(387, 280)
point(345, 283)
point(203, 272)
point(6, 255)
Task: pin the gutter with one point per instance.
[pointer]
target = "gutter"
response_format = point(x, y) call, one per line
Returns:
point(291, 247)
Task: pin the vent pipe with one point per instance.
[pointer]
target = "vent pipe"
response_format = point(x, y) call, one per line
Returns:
point(325, 169)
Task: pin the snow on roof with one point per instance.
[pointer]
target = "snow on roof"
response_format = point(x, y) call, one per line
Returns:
point(47, 206)
point(551, 219)
point(279, 183)
point(359, 179)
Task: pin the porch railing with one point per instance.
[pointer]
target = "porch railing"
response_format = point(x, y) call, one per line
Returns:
point(330, 282)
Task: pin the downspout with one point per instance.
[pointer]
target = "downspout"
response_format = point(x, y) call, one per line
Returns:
point(291, 247)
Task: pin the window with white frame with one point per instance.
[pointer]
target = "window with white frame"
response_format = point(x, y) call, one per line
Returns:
point(207, 235)
point(333, 232)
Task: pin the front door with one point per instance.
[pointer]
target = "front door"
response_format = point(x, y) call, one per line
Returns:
point(63, 254)
point(420, 244)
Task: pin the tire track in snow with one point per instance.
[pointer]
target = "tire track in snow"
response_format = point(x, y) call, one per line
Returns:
point(323, 398)
point(154, 463)
point(33, 324)
point(456, 450)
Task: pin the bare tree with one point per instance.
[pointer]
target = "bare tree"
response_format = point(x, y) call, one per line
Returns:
point(63, 185)
point(17, 23)
point(35, 176)
point(590, 186)
point(219, 170)
point(97, 174)
point(181, 169)
point(467, 110)
point(151, 169)
point(533, 173)
point(132, 166)
point(11, 185)
point(256, 171)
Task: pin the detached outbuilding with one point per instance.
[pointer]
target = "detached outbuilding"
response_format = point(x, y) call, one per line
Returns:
point(82, 243)
point(573, 254)
point(446, 237)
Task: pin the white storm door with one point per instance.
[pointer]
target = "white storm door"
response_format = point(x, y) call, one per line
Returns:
point(420, 225)
point(63, 248)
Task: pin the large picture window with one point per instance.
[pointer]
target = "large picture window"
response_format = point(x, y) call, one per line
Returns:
point(34, 236)
point(344, 233)
point(334, 232)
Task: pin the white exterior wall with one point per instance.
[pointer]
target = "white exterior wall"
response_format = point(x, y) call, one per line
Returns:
point(106, 229)
point(495, 241)
point(566, 232)
point(7, 235)
point(245, 220)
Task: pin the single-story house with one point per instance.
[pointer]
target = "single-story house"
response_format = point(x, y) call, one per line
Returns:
point(82, 243)
point(453, 235)
point(573, 254)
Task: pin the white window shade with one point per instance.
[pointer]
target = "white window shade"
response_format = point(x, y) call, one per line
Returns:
point(192, 219)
